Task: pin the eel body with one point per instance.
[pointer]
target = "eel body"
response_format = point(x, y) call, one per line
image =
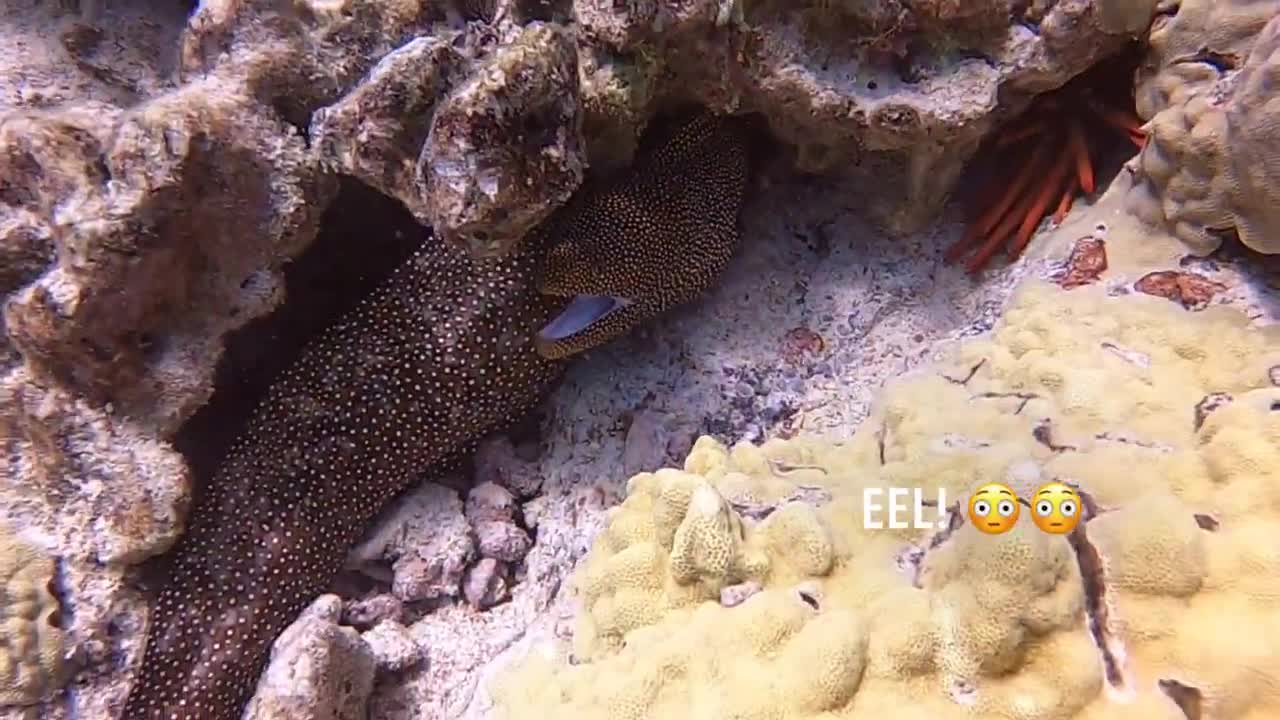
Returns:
point(446, 350)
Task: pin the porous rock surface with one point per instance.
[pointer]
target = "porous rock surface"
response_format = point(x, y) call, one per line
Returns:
point(157, 171)
point(427, 541)
point(320, 670)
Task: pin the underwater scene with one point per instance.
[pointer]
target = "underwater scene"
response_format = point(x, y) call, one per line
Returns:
point(639, 360)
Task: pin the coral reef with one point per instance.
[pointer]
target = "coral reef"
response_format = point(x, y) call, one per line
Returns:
point(32, 648)
point(158, 170)
point(446, 350)
point(179, 162)
point(1161, 598)
point(1210, 169)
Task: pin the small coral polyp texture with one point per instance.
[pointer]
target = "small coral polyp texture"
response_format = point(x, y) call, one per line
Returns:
point(747, 586)
point(31, 638)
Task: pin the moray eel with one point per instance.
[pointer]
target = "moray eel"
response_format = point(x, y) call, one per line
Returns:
point(653, 239)
point(445, 351)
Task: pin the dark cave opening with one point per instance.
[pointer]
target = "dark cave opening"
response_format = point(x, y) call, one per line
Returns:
point(363, 236)
point(1109, 83)
point(1067, 144)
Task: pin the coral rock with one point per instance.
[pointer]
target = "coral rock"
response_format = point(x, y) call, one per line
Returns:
point(392, 646)
point(491, 512)
point(620, 26)
point(376, 132)
point(505, 148)
point(867, 82)
point(367, 612)
point(131, 489)
point(300, 57)
point(486, 584)
point(163, 234)
point(319, 670)
point(426, 539)
point(502, 540)
point(490, 501)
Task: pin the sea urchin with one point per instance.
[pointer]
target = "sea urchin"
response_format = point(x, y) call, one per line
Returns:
point(1046, 157)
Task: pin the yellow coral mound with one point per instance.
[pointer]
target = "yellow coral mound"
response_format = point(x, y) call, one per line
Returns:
point(31, 639)
point(1163, 605)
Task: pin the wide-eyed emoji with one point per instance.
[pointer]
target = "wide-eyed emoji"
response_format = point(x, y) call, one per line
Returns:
point(994, 509)
point(1055, 508)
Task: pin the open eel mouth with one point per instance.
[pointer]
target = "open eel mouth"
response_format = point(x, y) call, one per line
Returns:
point(580, 314)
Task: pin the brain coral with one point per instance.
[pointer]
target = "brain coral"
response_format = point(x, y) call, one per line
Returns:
point(1163, 604)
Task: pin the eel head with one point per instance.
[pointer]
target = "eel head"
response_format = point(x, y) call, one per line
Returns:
point(655, 238)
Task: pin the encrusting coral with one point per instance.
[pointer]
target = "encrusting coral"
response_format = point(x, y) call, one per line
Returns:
point(749, 584)
point(31, 639)
point(1211, 167)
